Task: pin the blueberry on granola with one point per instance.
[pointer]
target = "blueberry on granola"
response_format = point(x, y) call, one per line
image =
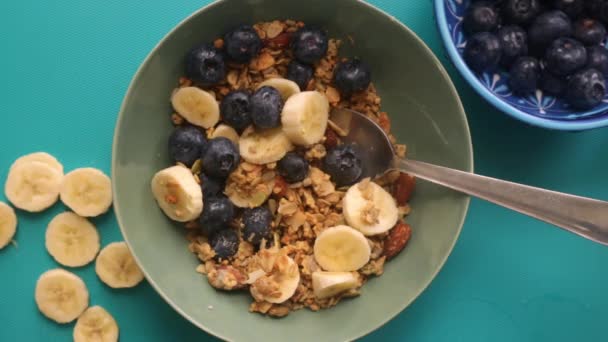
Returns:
point(293, 167)
point(205, 65)
point(266, 106)
point(225, 243)
point(343, 164)
point(257, 224)
point(218, 212)
point(300, 73)
point(221, 157)
point(242, 44)
point(186, 144)
point(211, 186)
point(236, 110)
point(352, 76)
point(309, 44)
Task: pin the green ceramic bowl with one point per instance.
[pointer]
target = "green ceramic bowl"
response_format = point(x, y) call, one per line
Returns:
point(426, 115)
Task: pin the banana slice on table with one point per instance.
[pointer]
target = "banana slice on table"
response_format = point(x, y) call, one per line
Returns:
point(279, 284)
point(369, 208)
point(87, 191)
point(341, 249)
point(42, 157)
point(8, 224)
point(178, 194)
point(196, 106)
point(329, 284)
point(33, 185)
point(223, 130)
point(71, 240)
point(116, 266)
point(61, 295)
point(305, 117)
point(285, 87)
point(264, 146)
point(96, 324)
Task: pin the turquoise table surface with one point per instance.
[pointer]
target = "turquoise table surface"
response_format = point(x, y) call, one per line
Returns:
point(65, 66)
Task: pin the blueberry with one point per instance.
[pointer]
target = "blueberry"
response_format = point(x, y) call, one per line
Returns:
point(523, 75)
point(546, 28)
point(352, 76)
point(309, 44)
point(597, 58)
point(586, 89)
point(221, 157)
point(300, 73)
point(205, 65)
point(225, 243)
point(242, 44)
point(480, 16)
point(589, 31)
point(565, 56)
point(257, 224)
point(520, 12)
point(598, 9)
point(211, 186)
point(236, 109)
point(514, 42)
point(551, 84)
point(573, 8)
point(483, 52)
point(266, 106)
point(186, 144)
point(293, 167)
point(217, 214)
point(343, 164)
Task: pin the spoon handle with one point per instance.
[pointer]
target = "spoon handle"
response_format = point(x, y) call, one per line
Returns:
point(583, 216)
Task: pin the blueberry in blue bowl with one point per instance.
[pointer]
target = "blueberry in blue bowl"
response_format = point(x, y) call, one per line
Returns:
point(483, 51)
point(524, 75)
point(565, 56)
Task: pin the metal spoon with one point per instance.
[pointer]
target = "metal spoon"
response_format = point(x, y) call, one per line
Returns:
point(583, 216)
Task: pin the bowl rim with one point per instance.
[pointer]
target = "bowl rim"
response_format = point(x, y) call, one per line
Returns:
point(475, 83)
point(389, 315)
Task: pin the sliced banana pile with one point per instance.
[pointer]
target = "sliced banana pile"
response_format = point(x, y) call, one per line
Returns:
point(196, 106)
point(304, 117)
point(369, 208)
point(96, 324)
point(8, 224)
point(341, 249)
point(263, 146)
point(116, 266)
point(329, 284)
point(277, 280)
point(71, 240)
point(87, 191)
point(61, 295)
point(178, 194)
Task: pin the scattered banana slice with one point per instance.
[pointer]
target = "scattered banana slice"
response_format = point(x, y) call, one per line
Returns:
point(72, 240)
point(226, 131)
point(341, 249)
point(264, 146)
point(87, 191)
point(369, 208)
point(33, 185)
point(116, 267)
point(281, 278)
point(284, 86)
point(61, 295)
point(196, 106)
point(42, 157)
point(178, 194)
point(329, 284)
point(304, 117)
point(8, 224)
point(96, 324)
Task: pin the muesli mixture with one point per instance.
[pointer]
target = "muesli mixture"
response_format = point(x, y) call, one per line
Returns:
point(273, 201)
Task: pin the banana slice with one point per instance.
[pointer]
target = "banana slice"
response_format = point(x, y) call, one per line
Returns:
point(42, 157)
point(96, 324)
point(196, 106)
point(226, 131)
point(178, 194)
point(369, 208)
point(341, 249)
point(116, 267)
point(284, 86)
point(264, 146)
point(280, 283)
point(87, 191)
point(329, 284)
point(61, 295)
point(8, 224)
point(304, 117)
point(33, 185)
point(72, 240)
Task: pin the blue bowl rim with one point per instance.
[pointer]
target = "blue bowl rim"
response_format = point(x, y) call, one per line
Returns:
point(469, 76)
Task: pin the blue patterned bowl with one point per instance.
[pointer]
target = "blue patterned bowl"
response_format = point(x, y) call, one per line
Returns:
point(539, 109)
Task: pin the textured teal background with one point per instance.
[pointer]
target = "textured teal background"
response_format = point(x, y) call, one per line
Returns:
point(66, 65)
